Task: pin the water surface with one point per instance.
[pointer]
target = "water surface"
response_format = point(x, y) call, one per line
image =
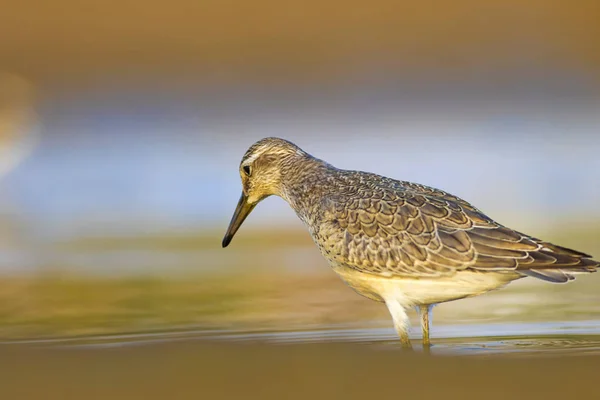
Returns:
point(549, 338)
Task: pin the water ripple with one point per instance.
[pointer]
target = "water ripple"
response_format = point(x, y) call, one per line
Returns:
point(571, 338)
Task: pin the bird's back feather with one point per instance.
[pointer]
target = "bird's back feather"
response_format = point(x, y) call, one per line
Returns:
point(393, 228)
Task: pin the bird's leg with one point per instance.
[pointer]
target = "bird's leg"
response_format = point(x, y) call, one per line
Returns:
point(401, 321)
point(424, 312)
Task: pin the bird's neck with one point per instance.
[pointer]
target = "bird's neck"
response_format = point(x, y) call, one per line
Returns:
point(304, 184)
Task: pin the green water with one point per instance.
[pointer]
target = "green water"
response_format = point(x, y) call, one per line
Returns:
point(274, 288)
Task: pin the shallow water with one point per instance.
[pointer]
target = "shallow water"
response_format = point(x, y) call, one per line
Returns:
point(273, 287)
point(550, 338)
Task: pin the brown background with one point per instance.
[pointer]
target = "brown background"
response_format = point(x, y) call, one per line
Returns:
point(73, 41)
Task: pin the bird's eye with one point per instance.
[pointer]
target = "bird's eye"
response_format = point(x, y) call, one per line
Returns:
point(246, 169)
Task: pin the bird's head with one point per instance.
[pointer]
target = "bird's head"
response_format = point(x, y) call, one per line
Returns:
point(261, 170)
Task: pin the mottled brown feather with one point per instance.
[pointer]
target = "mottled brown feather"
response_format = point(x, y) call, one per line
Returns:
point(437, 234)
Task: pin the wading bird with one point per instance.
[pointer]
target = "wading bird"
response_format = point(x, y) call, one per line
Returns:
point(404, 244)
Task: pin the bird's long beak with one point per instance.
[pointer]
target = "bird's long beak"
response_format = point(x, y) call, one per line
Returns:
point(242, 210)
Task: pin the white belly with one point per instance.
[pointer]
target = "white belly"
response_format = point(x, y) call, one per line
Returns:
point(411, 292)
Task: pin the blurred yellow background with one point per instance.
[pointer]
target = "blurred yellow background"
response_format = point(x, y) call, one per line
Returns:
point(75, 41)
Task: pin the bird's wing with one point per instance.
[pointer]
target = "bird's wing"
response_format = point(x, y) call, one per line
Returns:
point(424, 232)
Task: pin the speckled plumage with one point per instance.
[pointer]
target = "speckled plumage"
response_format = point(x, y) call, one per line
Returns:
point(381, 234)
